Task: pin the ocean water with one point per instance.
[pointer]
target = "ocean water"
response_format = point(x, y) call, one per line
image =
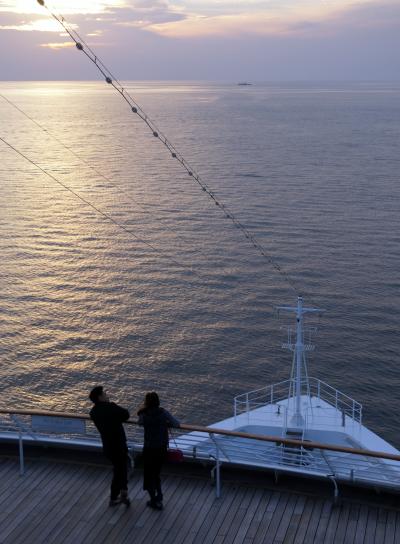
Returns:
point(311, 169)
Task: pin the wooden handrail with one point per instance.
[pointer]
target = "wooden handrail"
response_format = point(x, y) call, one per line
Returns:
point(198, 428)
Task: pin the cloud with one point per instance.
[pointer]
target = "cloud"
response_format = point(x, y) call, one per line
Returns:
point(65, 7)
point(57, 45)
point(190, 18)
point(93, 17)
point(196, 18)
point(39, 25)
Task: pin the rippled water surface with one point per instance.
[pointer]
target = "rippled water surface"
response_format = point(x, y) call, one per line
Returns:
point(312, 170)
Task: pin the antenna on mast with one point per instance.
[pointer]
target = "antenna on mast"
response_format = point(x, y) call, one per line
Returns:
point(298, 348)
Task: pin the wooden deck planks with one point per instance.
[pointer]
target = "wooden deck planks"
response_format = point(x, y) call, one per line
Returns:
point(323, 521)
point(390, 528)
point(315, 518)
point(248, 517)
point(381, 525)
point(22, 509)
point(183, 522)
point(71, 512)
point(343, 521)
point(53, 506)
point(269, 513)
point(371, 526)
point(215, 516)
point(295, 520)
point(68, 504)
point(304, 521)
point(238, 521)
point(258, 516)
point(285, 521)
point(361, 524)
point(352, 523)
point(201, 514)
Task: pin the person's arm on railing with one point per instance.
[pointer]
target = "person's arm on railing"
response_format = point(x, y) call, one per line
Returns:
point(171, 420)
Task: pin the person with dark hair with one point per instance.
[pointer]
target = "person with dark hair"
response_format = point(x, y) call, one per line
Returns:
point(155, 421)
point(108, 418)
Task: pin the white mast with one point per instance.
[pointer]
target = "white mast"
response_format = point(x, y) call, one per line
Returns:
point(299, 348)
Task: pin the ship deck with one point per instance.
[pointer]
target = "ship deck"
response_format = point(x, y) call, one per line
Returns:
point(66, 501)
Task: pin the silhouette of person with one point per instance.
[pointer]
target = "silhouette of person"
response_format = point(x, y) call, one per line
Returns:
point(108, 418)
point(155, 421)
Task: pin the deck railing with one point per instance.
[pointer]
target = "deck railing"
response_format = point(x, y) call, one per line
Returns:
point(281, 455)
point(282, 391)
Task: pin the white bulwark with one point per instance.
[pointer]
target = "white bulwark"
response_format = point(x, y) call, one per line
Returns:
point(61, 425)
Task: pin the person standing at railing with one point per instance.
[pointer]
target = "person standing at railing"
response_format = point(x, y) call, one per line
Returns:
point(156, 421)
point(109, 418)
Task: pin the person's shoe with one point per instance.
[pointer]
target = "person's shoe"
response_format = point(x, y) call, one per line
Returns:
point(125, 500)
point(155, 505)
point(114, 502)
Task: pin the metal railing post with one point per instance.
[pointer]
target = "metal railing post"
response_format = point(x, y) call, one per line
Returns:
point(217, 467)
point(331, 477)
point(20, 444)
point(21, 454)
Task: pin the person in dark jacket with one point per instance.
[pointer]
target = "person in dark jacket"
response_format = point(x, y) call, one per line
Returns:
point(155, 421)
point(108, 418)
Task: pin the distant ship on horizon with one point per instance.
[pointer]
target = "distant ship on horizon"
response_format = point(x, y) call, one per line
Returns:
point(244, 83)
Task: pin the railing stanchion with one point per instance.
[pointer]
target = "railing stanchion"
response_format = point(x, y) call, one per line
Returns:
point(21, 454)
point(336, 488)
point(217, 467)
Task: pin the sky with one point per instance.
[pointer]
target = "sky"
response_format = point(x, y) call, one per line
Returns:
point(215, 40)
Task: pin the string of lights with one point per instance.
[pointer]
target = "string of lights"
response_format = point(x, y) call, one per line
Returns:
point(108, 217)
point(135, 108)
point(93, 168)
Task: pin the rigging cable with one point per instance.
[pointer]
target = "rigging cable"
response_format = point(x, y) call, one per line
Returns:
point(86, 163)
point(135, 108)
point(107, 216)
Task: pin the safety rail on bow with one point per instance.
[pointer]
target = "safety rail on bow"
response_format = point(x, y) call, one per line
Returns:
point(204, 444)
point(280, 393)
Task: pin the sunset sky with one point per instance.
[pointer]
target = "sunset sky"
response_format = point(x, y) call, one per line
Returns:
point(261, 40)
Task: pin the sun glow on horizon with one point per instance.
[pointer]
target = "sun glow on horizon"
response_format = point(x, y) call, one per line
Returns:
point(40, 25)
point(83, 7)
